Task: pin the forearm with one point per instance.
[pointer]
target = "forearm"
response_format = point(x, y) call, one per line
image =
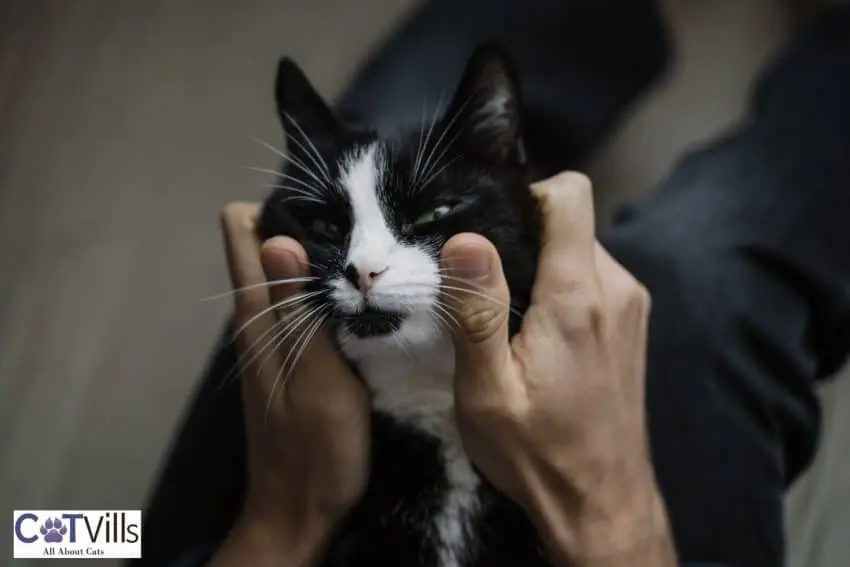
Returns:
point(609, 528)
point(260, 544)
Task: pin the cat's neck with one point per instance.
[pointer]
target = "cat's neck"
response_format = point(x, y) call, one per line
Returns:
point(414, 383)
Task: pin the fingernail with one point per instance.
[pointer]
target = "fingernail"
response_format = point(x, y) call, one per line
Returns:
point(469, 264)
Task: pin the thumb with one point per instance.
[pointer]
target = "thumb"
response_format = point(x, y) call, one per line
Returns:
point(476, 289)
point(300, 337)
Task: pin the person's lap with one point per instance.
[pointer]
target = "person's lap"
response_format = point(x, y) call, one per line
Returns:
point(743, 247)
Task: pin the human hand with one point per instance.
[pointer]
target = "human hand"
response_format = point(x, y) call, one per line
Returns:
point(555, 418)
point(307, 426)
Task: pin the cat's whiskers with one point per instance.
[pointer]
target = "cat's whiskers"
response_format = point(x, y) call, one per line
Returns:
point(293, 299)
point(433, 176)
point(483, 295)
point(308, 194)
point(301, 342)
point(428, 166)
point(271, 283)
point(439, 323)
point(419, 146)
point(282, 327)
point(418, 169)
point(300, 198)
point(320, 163)
point(316, 188)
point(290, 158)
point(296, 190)
point(314, 173)
point(239, 367)
point(302, 320)
point(443, 309)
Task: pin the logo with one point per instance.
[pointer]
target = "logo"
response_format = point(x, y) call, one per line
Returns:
point(65, 534)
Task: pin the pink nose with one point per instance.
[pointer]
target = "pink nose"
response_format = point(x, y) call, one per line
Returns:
point(367, 280)
point(364, 281)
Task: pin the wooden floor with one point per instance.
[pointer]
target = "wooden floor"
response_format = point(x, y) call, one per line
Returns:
point(123, 128)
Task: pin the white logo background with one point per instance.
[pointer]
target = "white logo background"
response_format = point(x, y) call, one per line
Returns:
point(84, 534)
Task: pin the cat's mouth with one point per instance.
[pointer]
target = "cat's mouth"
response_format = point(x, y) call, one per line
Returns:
point(373, 322)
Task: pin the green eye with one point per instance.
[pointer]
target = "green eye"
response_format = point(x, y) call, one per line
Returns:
point(324, 228)
point(434, 214)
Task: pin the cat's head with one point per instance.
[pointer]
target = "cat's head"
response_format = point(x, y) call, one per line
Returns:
point(373, 213)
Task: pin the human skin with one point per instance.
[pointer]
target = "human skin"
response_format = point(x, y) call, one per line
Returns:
point(554, 418)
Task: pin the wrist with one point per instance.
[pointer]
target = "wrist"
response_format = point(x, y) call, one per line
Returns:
point(622, 522)
point(261, 539)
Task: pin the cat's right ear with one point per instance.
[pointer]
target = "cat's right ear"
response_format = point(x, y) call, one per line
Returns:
point(306, 118)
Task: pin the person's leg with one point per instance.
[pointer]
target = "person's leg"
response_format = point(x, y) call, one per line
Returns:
point(581, 65)
point(746, 251)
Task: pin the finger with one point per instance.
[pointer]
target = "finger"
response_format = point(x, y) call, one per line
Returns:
point(242, 247)
point(285, 266)
point(568, 239)
point(304, 346)
point(478, 293)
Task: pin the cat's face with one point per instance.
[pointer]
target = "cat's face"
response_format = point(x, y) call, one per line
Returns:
point(373, 213)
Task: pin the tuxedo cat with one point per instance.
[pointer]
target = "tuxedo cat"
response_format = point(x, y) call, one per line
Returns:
point(373, 213)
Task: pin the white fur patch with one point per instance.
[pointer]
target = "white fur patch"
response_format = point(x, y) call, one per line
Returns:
point(417, 389)
point(410, 371)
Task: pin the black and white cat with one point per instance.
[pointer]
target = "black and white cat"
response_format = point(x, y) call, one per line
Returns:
point(373, 214)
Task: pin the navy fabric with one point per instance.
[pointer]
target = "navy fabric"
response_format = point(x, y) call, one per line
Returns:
point(745, 248)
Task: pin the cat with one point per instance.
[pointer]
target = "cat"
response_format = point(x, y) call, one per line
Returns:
point(373, 213)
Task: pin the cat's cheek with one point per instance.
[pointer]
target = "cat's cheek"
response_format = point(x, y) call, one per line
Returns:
point(345, 298)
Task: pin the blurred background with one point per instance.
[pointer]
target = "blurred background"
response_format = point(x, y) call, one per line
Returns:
point(124, 126)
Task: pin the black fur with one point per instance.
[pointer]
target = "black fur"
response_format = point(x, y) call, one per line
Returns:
point(487, 176)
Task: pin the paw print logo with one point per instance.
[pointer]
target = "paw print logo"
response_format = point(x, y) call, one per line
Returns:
point(53, 530)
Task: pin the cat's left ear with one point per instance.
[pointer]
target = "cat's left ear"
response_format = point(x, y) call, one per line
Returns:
point(486, 111)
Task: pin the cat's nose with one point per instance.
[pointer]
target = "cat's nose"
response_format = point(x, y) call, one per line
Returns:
point(363, 279)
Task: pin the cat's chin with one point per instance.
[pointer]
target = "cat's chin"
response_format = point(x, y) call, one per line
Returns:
point(373, 323)
point(413, 335)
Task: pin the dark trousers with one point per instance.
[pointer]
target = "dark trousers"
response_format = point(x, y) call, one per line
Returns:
point(745, 248)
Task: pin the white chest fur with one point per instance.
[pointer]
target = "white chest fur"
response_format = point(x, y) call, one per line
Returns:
point(418, 391)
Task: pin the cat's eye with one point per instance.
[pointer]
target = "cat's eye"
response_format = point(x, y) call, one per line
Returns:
point(324, 228)
point(433, 215)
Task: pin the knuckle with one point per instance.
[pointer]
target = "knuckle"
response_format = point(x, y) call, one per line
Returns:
point(578, 182)
point(565, 187)
point(641, 296)
point(575, 180)
point(579, 314)
point(483, 321)
point(635, 297)
point(238, 212)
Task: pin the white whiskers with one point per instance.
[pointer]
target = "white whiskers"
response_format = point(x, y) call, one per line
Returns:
point(294, 161)
point(297, 298)
point(315, 156)
point(254, 286)
point(312, 322)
